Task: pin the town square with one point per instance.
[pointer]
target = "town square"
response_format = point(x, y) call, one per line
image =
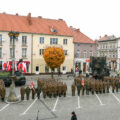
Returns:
point(59, 60)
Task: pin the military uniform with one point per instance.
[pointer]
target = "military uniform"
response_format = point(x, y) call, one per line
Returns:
point(22, 92)
point(33, 93)
point(73, 89)
point(27, 91)
point(3, 93)
point(44, 90)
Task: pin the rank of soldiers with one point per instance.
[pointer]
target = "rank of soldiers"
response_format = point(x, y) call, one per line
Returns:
point(48, 88)
point(94, 86)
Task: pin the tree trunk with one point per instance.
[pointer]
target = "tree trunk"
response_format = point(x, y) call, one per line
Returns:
point(52, 73)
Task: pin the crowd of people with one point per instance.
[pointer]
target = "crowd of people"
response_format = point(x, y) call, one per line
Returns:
point(48, 87)
point(2, 90)
point(84, 85)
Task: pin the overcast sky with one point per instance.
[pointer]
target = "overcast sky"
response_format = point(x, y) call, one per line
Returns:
point(94, 17)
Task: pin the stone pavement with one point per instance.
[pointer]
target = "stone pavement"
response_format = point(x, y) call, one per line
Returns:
point(89, 107)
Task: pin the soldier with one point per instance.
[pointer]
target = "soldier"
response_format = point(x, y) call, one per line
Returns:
point(27, 91)
point(92, 87)
point(44, 90)
point(64, 89)
point(108, 86)
point(73, 89)
point(59, 89)
point(22, 92)
point(38, 90)
point(3, 93)
point(117, 84)
point(87, 86)
point(113, 85)
point(100, 86)
point(78, 84)
point(33, 93)
point(104, 86)
point(83, 85)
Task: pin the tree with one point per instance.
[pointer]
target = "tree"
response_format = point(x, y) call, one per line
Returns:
point(54, 57)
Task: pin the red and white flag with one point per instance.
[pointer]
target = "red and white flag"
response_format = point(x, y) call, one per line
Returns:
point(8, 66)
point(24, 67)
point(4, 65)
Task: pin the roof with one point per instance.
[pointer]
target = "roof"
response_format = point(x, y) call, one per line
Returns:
point(79, 37)
point(106, 37)
point(30, 24)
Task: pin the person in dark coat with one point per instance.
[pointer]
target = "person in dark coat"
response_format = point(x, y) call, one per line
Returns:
point(74, 117)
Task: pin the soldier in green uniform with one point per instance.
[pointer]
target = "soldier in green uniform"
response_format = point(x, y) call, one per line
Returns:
point(64, 89)
point(78, 84)
point(33, 93)
point(3, 93)
point(27, 91)
point(117, 84)
point(44, 90)
point(113, 85)
point(73, 89)
point(87, 86)
point(108, 86)
point(22, 92)
point(93, 87)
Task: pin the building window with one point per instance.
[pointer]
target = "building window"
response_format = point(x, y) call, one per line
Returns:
point(37, 69)
point(24, 40)
point(11, 52)
point(27, 66)
point(85, 54)
point(11, 40)
point(46, 69)
point(0, 39)
point(65, 41)
point(41, 40)
point(41, 51)
point(65, 52)
point(24, 52)
point(0, 52)
point(91, 53)
point(64, 68)
point(77, 55)
point(109, 55)
point(53, 40)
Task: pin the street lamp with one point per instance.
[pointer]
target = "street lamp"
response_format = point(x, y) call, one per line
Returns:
point(12, 95)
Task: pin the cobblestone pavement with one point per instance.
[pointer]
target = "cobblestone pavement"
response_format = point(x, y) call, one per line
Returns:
point(88, 107)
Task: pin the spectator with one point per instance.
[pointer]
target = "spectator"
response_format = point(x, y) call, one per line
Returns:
point(74, 117)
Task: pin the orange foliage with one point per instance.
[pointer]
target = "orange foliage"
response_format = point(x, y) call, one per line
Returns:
point(54, 57)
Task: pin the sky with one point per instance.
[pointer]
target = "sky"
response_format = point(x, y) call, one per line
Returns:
point(94, 18)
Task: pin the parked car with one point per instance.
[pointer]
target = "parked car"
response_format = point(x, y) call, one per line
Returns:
point(5, 76)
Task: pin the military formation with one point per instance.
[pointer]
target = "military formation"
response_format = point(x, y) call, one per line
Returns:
point(48, 87)
point(2, 90)
point(86, 86)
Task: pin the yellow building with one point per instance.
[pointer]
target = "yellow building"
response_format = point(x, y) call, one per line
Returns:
point(40, 42)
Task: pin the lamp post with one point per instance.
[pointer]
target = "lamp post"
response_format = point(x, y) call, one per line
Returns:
point(12, 95)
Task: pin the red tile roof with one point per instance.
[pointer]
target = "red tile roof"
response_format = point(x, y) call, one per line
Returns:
point(106, 37)
point(79, 37)
point(30, 24)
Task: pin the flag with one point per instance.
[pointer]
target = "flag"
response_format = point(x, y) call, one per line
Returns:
point(4, 65)
point(32, 86)
point(83, 82)
point(24, 67)
point(8, 66)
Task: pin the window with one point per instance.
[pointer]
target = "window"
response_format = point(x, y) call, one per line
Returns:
point(46, 69)
point(85, 54)
point(11, 52)
point(77, 55)
point(65, 41)
point(91, 53)
point(11, 40)
point(65, 52)
point(24, 52)
point(41, 51)
point(64, 68)
point(37, 68)
point(0, 52)
point(109, 55)
point(41, 40)
point(0, 39)
point(53, 40)
point(24, 40)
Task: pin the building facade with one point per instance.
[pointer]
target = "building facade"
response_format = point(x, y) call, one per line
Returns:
point(84, 47)
point(36, 33)
point(108, 46)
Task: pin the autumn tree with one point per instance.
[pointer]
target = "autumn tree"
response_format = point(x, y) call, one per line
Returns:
point(54, 57)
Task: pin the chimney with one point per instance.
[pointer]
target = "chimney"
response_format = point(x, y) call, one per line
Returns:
point(16, 14)
point(100, 37)
point(60, 19)
point(39, 16)
point(4, 12)
point(29, 19)
point(105, 35)
point(78, 30)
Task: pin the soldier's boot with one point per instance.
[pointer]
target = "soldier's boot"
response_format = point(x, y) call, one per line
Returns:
point(2, 99)
point(96, 92)
point(27, 97)
point(113, 90)
point(64, 94)
point(83, 91)
point(22, 98)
